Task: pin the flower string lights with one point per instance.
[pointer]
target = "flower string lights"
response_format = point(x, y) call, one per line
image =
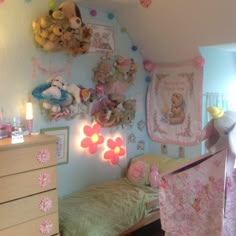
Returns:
point(116, 150)
point(93, 138)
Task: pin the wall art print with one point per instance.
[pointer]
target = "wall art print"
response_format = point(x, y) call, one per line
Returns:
point(174, 103)
point(103, 39)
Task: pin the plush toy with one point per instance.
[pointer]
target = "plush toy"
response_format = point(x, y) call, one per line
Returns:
point(62, 29)
point(138, 172)
point(154, 177)
point(72, 13)
point(52, 94)
point(220, 131)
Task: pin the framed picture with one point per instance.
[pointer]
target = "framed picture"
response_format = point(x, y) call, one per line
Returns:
point(102, 39)
point(62, 144)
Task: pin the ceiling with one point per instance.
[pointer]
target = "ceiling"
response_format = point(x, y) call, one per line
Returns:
point(174, 30)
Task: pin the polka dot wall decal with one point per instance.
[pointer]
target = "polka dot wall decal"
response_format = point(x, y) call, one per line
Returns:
point(145, 3)
point(93, 12)
point(134, 48)
point(110, 16)
point(148, 79)
point(123, 30)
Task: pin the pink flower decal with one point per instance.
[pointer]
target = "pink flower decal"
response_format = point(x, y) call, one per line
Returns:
point(44, 180)
point(46, 227)
point(43, 156)
point(93, 138)
point(45, 204)
point(116, 151)
point(145, 3)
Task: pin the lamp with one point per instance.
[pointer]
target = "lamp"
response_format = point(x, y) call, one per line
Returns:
point(115, 150)
point(29, 116)
point(93, 138)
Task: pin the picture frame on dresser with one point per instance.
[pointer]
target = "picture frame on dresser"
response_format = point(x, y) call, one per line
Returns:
point(62, 144)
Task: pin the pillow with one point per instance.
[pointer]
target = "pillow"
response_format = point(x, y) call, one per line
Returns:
point(138, 172)
point(163, 163)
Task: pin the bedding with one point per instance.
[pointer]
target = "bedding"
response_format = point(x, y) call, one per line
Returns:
point(117, 207)
point(106, 209)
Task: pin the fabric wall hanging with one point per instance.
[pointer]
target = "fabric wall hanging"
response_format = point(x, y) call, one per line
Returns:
point(174, 103)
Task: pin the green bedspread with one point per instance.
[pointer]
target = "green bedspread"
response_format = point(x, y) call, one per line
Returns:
point(105, 209)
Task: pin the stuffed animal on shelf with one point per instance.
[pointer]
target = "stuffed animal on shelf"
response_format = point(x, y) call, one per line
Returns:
point(62, 29)
point(220, 131)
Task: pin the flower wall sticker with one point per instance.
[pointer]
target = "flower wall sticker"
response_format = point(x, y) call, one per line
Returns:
point(115, 151)
point(45, 204)
point(43, 156)
point(46, 227)
point(44, 180)
point(93, 138)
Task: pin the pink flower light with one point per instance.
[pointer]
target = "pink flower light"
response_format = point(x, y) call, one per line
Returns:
point(116, 151)
point(93, 138)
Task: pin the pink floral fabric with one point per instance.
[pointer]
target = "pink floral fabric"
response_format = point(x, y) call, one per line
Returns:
point(230, 203)
point(192, 197)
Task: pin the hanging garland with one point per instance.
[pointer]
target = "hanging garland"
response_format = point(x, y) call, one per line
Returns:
point(50, 71)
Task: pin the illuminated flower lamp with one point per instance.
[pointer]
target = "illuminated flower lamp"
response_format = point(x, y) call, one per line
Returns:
point(93, 138)
point(29, 116)
point(115, 151)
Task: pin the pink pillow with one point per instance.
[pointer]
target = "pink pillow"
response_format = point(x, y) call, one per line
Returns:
point(138, 172)
point(154, 177)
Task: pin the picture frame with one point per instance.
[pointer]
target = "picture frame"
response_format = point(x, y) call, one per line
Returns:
point(62, 144)
point(103, 39)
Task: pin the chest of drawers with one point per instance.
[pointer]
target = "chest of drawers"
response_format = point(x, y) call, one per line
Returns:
point(28, 187)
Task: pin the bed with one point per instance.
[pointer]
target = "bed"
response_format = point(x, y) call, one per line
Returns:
point(118, 207)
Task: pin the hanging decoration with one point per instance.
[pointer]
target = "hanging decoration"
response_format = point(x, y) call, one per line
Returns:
point(51, 71)
point(62, 29)
point(174, 103)
point(110, 16)
point(93, 12)
point(59, 99)
point(103, 39)
point(115, 151)
point(93, 138)
point(145, 3)
point(113, 77)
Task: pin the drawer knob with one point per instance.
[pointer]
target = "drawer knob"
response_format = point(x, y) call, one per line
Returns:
point(44, 180)
point(45, 204)
point(43, 156)
point(46, 227)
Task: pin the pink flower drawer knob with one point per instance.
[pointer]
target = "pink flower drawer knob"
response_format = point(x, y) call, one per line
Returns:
point(46, 227)
point(43, 156)
point(44, 180)
point(45, 204)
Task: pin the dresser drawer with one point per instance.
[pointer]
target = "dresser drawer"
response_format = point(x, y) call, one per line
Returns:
point(28, 208)
point(43, 226)
point(28, 183)
point(23, 159)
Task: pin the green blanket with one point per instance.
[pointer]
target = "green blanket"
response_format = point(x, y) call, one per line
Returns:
point(105, 209)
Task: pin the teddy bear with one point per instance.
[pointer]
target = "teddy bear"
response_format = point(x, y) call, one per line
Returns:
point(52, 94)
point(62, 29)
point(177, 113)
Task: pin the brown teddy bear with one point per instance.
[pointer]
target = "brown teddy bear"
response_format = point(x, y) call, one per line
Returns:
point(177, 113)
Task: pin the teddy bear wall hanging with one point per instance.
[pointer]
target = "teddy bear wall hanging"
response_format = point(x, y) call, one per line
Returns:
point(113, 77)
point(62, 29)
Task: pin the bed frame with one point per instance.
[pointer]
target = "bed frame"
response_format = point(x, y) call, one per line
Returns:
point(148, 219)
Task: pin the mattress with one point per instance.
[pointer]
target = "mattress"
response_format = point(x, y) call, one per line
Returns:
point(106, 209)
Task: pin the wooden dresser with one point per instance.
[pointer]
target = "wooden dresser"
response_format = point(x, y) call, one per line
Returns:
point(28, 187)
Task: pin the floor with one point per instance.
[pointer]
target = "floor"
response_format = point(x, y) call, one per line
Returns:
point(153, 229)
